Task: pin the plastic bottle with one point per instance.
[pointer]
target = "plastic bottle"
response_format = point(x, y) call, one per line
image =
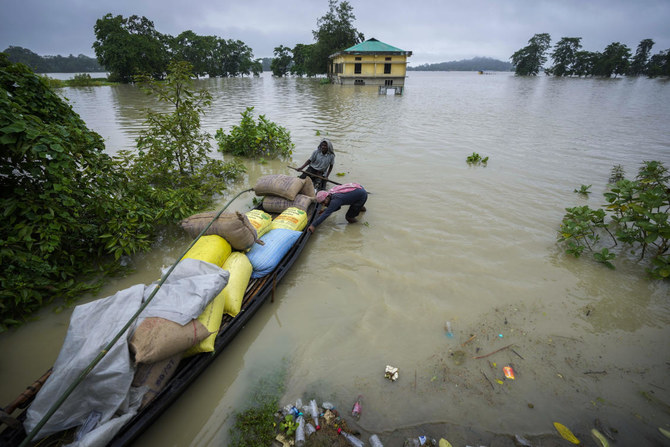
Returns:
point(315, 413)
point(300, 432)
point(447, 327)
point(375, 441)
point(353, 440)
point(356, 410)
point(309, 429)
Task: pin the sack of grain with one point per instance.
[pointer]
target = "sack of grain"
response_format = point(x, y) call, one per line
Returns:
point(279, 185)
point(260, 220)
point(240, 268)
point(291, 218)
point(276, 205)
point(155, 376)
point(308, 189)
point(212, 248)
point(157, 339)
point(233, 227)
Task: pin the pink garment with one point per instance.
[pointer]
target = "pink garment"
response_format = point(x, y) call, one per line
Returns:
point(347, 187)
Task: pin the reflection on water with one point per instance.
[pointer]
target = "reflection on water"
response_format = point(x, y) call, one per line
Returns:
point(441, 241)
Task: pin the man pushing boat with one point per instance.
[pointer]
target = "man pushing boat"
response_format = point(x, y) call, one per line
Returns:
point(351, 194)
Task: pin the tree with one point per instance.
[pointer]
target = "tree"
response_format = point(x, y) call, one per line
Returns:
point(301, 55)
point(59, 189)
point(335, 32)
point(638, 65)
point(585, 61)
point(281, 62)
point(128, 47)
point(659, 64)
point(613, 61)
point(530, 59)
point(565, 56)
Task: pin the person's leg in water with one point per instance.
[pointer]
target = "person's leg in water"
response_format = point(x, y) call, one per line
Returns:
point(360, 196)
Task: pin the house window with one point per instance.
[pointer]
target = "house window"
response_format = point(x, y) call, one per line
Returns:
point(388, 82)
point(387, 68)
point(358, 58)
point(359, 82)
point(387, 59)
point(357, 68)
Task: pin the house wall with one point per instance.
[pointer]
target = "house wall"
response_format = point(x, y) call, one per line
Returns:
point(372, 65)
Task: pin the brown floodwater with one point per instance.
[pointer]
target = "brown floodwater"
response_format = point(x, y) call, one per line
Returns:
point(441, 241)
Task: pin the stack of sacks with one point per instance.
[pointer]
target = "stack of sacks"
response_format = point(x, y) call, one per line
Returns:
point(284, 232)
point(159, 344)
point(282, 191)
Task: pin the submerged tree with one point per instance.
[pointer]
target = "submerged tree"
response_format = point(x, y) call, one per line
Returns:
point(335, 32)
point(130, 46)
point(529, 60)
point(281, 62)
point(613, 61)
point(659, 64)
point(565, 56)
point(638, 65)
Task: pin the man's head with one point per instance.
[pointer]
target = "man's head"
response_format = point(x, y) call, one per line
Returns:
point(324, 147)
point(322, 197)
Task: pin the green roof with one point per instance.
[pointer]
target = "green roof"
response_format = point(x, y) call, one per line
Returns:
point(374, 46)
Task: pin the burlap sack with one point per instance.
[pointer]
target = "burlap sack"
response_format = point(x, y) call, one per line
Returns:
point(157, 339)
point(279, 185)
point(308, 189)
point(276, 205)
point(155, 376)
point(233, 227)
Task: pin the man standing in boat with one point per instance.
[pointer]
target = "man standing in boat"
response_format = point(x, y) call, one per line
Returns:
point(320, 163)
point(351, 194)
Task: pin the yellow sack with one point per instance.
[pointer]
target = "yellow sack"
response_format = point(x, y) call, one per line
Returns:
point(291, 219)
point(213, 249)
point(240, 269)
point(260, 220)
point(216, 250)
point(210, 318)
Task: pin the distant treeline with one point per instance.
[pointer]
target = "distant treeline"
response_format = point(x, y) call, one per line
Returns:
point(53, 64)
point(474, 64)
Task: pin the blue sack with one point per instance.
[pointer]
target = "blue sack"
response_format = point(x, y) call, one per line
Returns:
point(264, 258)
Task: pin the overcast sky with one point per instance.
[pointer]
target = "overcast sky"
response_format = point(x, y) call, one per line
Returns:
point(434, 30)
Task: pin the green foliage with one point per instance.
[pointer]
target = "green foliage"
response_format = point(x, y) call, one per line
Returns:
point(475, 159)
point(52, 64)
point(613, 61)
point(529, 60)
point(617, 173)
point(59, 188)
point(638, 212)
point(254, 426)
point(281, 62)
point(69, 206)
point(639, 63)
point(565, 56)
point(127, 47)
point(250, 139)
point(335, 32)
point(584, 189)
point(288, 425)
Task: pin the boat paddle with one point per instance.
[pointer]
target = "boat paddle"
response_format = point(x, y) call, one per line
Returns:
point(318, 176)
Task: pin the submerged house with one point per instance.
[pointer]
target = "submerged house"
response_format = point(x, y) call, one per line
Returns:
point(370, 63)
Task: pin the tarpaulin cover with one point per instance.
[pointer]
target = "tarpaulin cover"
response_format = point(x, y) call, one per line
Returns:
point(106, 390)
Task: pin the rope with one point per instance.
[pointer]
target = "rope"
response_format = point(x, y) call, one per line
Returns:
point(109, 345)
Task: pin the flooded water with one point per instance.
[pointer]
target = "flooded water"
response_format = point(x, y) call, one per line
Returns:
point(441, 241)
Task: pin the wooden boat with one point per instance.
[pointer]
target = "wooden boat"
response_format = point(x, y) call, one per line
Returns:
point(256, 294)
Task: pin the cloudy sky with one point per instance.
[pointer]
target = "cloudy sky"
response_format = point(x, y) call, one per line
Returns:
point(434, 30)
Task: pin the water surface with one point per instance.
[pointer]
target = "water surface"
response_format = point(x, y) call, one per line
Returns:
point(441, 240)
